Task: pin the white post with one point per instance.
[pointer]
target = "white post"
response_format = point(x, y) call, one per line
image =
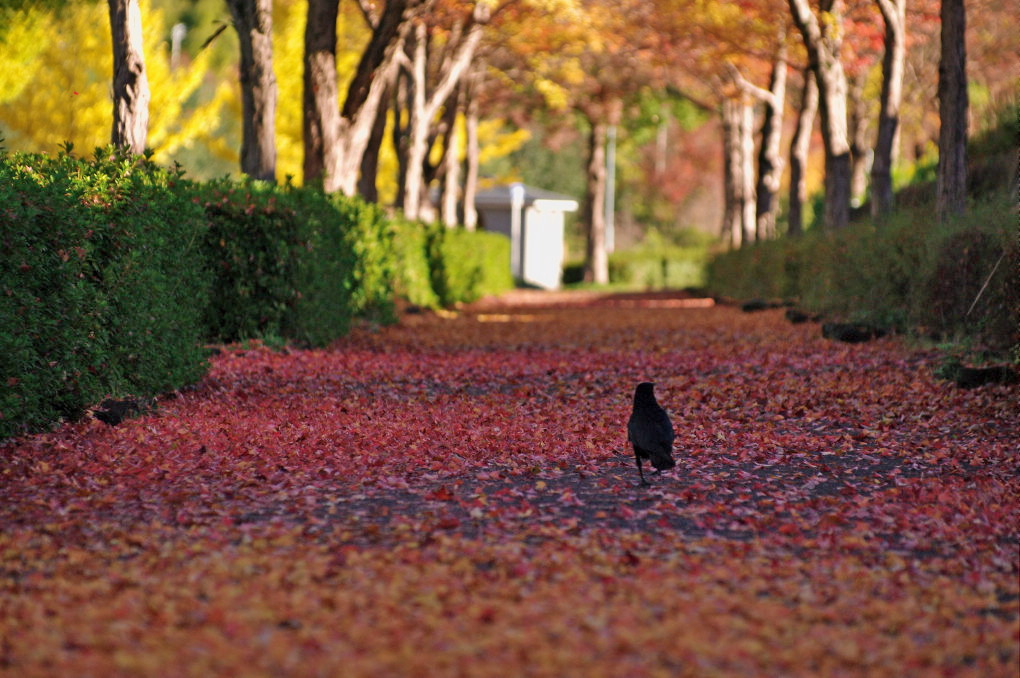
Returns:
point(516, 225)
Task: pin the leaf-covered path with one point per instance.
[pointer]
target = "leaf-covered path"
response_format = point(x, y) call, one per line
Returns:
point(454, 496)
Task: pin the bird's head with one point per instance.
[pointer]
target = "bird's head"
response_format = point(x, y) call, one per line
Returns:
point(645, 392)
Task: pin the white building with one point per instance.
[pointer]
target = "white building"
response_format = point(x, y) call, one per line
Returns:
point(533, 220)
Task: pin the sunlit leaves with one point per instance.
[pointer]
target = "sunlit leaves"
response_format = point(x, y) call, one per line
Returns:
point(72, 102)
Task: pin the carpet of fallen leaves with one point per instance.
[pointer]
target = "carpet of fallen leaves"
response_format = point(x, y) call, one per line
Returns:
point(453, 495)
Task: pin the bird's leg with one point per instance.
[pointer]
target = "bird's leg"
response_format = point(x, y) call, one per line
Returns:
point(640, 472)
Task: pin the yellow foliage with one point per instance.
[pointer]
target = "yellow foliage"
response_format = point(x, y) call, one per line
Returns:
point(24, 37)
point(556, 96)
point(72, 103)
point(496, 141)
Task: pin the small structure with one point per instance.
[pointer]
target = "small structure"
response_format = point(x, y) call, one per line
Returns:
point(533, 220)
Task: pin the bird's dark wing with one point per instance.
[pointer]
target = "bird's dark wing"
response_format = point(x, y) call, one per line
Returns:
point(650, 429)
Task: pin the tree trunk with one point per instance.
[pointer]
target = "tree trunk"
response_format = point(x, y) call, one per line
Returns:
point(451, 160)
point(894, 15)
point(596, 261)
point(799, 147)
point(732, 181)
point(860, 149)
point(368, 180)
point(746, 193)
point(951, 183)
point(401, 128)
point(253, 21)
point(823, 54)
point(130, 83)
point(418, 128)
point(471, 161)
point(321, 109)
point(374, 76)
point(770, 161)
point(424, 108)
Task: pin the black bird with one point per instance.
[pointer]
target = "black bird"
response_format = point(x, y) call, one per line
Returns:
point(650, 431)
point(112, 412)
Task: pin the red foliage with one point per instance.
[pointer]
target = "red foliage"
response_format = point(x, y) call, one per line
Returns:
point(454, 495)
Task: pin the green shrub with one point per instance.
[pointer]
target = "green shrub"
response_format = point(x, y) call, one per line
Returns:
point(414, 279)
point(676, 261)
point(322, 307)
point(102, 284)
point(663, 267)
point(467, 265)
point(908, 272)
point(293, 262)
point(252, 245)
point(369, 234)
point(969, 276)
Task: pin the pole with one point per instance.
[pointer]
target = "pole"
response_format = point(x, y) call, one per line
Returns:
point(610, 206)
point(516, 207)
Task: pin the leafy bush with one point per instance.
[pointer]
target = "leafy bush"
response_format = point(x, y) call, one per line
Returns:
point(414, 279)
point(102, 283)
point(114, 272)
point(908, 272)
point(657, 262)
point(668, 267)
point(252, 245)
point(294, 262)
point(322, 308)
point(467, 265)
point(369, 234)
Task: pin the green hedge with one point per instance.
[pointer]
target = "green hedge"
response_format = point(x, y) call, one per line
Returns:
point(414, 277)
point(909, 273)
point(102, 283)
point(292, 263)
point(467, 265)
point(115, 272)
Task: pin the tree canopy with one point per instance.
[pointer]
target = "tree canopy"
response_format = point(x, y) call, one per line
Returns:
point(471, 80)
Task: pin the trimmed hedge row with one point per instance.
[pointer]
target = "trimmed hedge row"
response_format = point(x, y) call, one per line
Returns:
point(909, 273)
point(102, 285)
point(115, 272)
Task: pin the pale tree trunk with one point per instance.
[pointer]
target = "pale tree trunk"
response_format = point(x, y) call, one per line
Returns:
point(253, 21)
point(951, 182)
point(424, 106)
point(732, 228)
point(799, 147)
point(321, 108)
point(418, 128)
point(860, 149)
point(471, 160)
point(894, 15)
point(745, 195)
point(596, 261)
point(770, 159)
point(373, 78)
point(130, 83)
point(451, 160)
point(823, 53)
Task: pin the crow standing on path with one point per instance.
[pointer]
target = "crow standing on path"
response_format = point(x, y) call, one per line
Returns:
point(650, 431)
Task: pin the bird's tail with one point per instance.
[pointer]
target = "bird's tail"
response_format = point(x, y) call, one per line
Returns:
point(662, 460)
